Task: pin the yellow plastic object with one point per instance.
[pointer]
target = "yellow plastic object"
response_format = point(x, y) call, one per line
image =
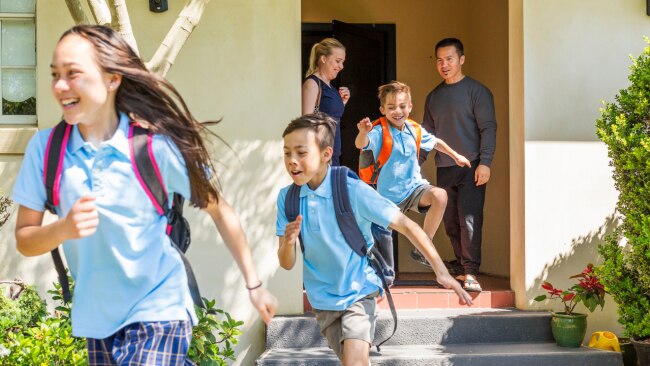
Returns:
point(605, 340)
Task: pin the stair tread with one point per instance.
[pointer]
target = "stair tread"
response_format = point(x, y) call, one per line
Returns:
point(436, 313)
point(441, 351)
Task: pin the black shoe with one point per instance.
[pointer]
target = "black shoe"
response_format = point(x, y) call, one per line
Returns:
point(454, 268)
point(418, 257)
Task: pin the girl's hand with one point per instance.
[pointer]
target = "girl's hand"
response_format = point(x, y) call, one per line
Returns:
point(82, 219)
point(364, 125)
point(264, 302)
point(292, 230)
point(450, 283)
point(344, 92)
point(462, 161)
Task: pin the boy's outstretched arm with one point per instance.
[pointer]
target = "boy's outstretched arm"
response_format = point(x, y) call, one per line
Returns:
point(364, 127)
point(232, 234)
point(416, 235)
point(287, 248)
point(458, 158)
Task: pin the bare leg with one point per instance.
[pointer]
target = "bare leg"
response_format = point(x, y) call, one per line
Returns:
point(437, 199)
point(356, 352)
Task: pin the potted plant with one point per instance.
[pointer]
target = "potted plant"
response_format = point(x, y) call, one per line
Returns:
point(569, 327)
point(625, 127)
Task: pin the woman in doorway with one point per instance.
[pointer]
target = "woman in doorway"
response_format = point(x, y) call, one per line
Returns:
point(325, 62)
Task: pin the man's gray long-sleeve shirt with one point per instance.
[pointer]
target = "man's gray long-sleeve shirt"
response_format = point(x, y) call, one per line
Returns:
point(462, 115)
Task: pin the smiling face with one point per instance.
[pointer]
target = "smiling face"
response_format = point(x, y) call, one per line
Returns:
point(449, 64)
point(330, 65)
point(396, 108)
point(85, 93)
point(304, 160)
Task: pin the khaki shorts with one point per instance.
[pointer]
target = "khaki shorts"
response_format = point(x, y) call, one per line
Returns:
point(356, 322)
point(411, 202)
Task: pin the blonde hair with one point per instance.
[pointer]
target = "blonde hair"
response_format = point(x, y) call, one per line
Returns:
point(392, 88)
point(322, 48)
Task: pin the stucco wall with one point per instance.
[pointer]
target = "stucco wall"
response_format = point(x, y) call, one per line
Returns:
point(483, 27)
point(241, 64)
point(576, 54)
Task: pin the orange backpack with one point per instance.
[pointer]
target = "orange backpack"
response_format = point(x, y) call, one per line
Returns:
point(369, 167)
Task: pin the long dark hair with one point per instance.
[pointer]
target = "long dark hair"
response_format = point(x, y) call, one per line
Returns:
point(147, 96)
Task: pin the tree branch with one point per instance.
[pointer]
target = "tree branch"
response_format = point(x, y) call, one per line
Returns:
point(114, 24)
point(124, 23)
point(77, 12)
point(100, 11)
point(187, 20)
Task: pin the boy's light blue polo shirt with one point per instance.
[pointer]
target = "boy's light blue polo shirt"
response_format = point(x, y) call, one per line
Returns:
point(401, 174)
point(334, 276)
point(127, 271)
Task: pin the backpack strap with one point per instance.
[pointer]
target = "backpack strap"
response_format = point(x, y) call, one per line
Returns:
point(53, 165)
point(146, 169)
point(292, 208)
point(54, 156)
point(353, 236)
point(343, 209)
point(369, 166)
point(147, 172)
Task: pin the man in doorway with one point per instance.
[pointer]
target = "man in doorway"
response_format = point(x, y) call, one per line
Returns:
point(460, 110)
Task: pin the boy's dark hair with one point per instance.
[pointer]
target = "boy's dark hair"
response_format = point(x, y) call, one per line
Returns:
point(392, 88)
point(323, 126)
point(451, 42)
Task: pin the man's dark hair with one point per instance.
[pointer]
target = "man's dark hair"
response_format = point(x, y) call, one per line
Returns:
point(322, 124)
point(451, 42)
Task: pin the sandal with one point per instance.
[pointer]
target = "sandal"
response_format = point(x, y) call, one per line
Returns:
point(471, 285)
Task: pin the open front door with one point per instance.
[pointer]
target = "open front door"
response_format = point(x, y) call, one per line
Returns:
point(368, 64)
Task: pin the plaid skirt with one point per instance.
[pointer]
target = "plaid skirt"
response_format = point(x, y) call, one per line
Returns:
point(148, 343)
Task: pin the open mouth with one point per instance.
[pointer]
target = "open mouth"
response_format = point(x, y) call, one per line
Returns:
point(68, 102)
point(295, 173)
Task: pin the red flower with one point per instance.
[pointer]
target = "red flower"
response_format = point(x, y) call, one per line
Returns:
point(585, 291)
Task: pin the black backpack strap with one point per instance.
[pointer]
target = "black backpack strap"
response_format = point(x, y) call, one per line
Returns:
point(353, 236)
point(343, 209)
point(53, 164)
point(376, 260)
point(292, 208)
point(146, 169)
point(148, 174)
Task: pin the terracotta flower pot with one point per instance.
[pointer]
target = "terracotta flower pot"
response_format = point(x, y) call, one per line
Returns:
point(568, 330)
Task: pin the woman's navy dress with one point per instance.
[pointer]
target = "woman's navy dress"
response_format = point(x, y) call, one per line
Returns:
point(332, 104)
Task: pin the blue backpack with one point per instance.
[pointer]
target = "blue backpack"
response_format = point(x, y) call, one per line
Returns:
point(349, 227)
point(146, 169)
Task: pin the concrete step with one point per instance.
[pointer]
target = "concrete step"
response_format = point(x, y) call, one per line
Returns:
point(425, 327)
point(503, 354)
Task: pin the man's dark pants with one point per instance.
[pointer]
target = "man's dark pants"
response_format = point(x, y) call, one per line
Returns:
point(463, 217)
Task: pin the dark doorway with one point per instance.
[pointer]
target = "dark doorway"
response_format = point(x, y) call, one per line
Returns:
point(369, 63)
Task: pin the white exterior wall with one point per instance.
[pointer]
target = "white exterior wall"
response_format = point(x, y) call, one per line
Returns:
point(576, 53)
point(242, 64)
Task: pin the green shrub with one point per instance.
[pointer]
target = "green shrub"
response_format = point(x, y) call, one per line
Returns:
point(34, 337)
point(625, 127)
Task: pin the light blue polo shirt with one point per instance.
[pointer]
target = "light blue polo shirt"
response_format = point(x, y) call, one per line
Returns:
point(401, 174)
point(127, 271)
point(334, 276)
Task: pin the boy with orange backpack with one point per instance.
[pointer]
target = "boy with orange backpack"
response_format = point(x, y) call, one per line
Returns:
point(390, 148)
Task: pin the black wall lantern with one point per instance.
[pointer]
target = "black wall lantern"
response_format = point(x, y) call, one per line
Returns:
point(158, 6)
